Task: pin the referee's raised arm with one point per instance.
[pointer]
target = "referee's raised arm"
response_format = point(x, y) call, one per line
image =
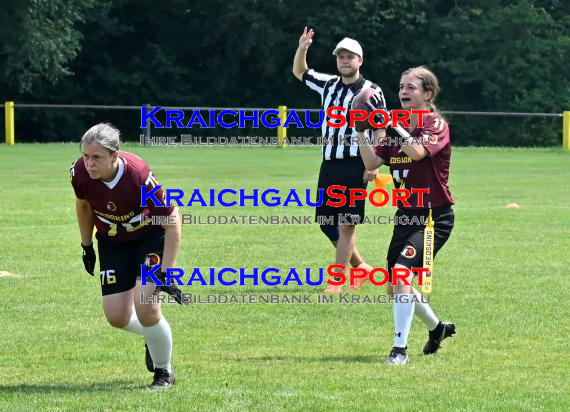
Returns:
point(300, 61)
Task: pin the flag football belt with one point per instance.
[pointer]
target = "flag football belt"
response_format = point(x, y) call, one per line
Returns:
point(429, 233)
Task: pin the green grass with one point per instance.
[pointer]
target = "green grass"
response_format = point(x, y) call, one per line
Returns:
point(499, 278)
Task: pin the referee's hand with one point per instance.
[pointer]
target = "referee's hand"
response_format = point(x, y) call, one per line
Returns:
point(306, 38)
point(89, 258)
point(369, 175)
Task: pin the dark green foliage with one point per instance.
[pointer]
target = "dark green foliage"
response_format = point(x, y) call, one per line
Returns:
point(489, 56)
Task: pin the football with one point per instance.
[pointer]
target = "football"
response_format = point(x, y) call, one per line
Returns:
point(360, 102)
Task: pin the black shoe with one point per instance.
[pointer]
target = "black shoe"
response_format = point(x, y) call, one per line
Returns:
point(436, 336)
point(162, 379)
point(148, 359)
point(397, 357)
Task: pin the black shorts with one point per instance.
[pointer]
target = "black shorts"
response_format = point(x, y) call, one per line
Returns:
point(348, 173)
point(407, 244)
point(120, 262)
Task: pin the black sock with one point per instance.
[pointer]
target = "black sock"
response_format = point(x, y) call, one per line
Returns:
point(401, 351)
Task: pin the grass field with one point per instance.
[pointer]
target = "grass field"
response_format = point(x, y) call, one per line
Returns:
point(500, 278)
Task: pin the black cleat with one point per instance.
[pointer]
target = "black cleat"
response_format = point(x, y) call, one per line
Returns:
point(162, 379)
point(436, 336)
point(397, 357)
point(148, 359)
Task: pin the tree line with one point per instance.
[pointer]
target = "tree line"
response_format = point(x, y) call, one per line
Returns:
point(489, 55)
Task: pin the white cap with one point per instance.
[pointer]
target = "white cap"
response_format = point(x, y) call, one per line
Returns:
point(348, 44)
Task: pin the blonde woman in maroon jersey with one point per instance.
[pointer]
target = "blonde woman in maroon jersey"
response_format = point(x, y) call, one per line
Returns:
point(108, 184)
point(422, 160)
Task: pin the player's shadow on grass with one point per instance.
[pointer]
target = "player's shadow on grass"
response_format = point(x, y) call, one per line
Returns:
point(324, 358)
point(108, 386)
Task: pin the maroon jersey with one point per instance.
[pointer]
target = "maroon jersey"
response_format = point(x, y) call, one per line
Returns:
point(430, 172)
point(116, 205)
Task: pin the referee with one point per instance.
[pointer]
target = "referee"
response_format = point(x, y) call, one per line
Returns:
point(341, 163)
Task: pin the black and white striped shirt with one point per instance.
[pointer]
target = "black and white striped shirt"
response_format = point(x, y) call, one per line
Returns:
point(335, 93)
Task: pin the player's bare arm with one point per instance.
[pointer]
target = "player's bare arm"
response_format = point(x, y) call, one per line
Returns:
point(371, 160)
point(369, 175)
point(85, 220)
point(414, 150)
point(300, 61)
point(172, 235)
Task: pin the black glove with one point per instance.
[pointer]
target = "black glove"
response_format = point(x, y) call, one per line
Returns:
point(377, 102)
point(89, 258)
point(172, 290)
point(397, 131)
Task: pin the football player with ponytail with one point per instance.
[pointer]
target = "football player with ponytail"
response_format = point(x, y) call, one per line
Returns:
point(423, 162)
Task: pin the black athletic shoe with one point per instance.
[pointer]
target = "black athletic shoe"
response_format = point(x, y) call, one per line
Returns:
point(162, 379)
point(436, 336)
point(148, 359)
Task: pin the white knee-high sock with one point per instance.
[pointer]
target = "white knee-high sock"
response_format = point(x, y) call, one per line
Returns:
point(134, 324)
point(403, 314)
point(425, 313)
point(159, 341)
